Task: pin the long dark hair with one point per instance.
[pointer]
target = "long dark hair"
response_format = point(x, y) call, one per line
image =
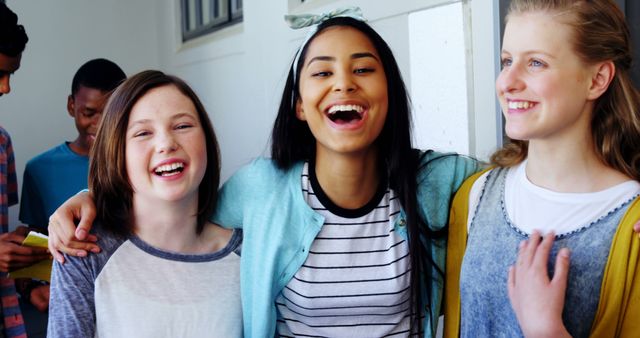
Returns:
point(292, 142)
point(108, 179)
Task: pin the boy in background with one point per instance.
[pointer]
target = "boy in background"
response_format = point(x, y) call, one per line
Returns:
point(58, 173)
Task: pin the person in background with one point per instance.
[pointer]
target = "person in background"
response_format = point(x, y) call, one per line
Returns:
point(58, 173)
point(13, 40)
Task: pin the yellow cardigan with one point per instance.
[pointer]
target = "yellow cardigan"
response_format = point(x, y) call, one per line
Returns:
point(618, 313)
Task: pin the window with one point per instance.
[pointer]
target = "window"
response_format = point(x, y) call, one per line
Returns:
point(200, 17)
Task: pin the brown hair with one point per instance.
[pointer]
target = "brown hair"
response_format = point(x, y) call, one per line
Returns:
point(108, 179)
point(600, 34)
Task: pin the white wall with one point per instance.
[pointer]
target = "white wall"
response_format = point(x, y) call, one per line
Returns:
point(440, 98)
point(63, 34)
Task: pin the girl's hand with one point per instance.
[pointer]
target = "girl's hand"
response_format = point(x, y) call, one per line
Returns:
point(636, 228)
point(536, 300)
point(63, 234)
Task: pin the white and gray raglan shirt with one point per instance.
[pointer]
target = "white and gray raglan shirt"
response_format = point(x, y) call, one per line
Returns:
point(131, 289)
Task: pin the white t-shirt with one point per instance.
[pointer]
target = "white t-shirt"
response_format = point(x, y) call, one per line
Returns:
point(530, 207)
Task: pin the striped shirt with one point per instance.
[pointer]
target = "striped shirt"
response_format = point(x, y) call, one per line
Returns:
point(355, 281)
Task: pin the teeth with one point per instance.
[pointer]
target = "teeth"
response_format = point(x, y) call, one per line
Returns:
point(346, 107)
point(520, 104)
point(169, 167)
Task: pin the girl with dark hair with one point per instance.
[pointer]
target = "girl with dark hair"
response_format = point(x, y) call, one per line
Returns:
point(346, 218)
point(164, 270)
point(345, 224)
point(570, 175)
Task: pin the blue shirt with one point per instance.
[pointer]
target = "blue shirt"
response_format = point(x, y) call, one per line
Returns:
point(279, 227)
point(49, 180)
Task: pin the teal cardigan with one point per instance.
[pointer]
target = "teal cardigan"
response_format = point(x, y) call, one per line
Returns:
point(279, 228)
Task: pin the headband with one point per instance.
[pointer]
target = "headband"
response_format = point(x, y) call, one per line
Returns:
point(312, 20)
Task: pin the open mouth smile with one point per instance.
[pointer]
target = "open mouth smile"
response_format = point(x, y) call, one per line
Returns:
point(345, 113)
point(520, 105)
point(169, 169)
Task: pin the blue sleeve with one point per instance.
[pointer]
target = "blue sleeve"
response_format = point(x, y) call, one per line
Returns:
point(31, 207)
point(71, 303)
point(228, 212)
point(238, 193)
point(439, 177)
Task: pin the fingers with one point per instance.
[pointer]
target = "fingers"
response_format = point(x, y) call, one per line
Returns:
point(85, 224)
point(22, 230)
point(87, 213)
point(561, 272)
point(80, 248)
point(17, 249)
point(533, 255)
point(527, 249)
point(636, 228)
point(63, 235)
point(521, 247)
point(57, 249)
point(57, 255)
point(541, 255)
point(53, 241)
point(56, 233)
point(20, 262)
point(29, 258)
point(511, 282)
point(72, 248)
point(61, 230)
point(14, 237)
point(62, 221)
point(536, 300)
point(11, 247)
point(11, 263)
